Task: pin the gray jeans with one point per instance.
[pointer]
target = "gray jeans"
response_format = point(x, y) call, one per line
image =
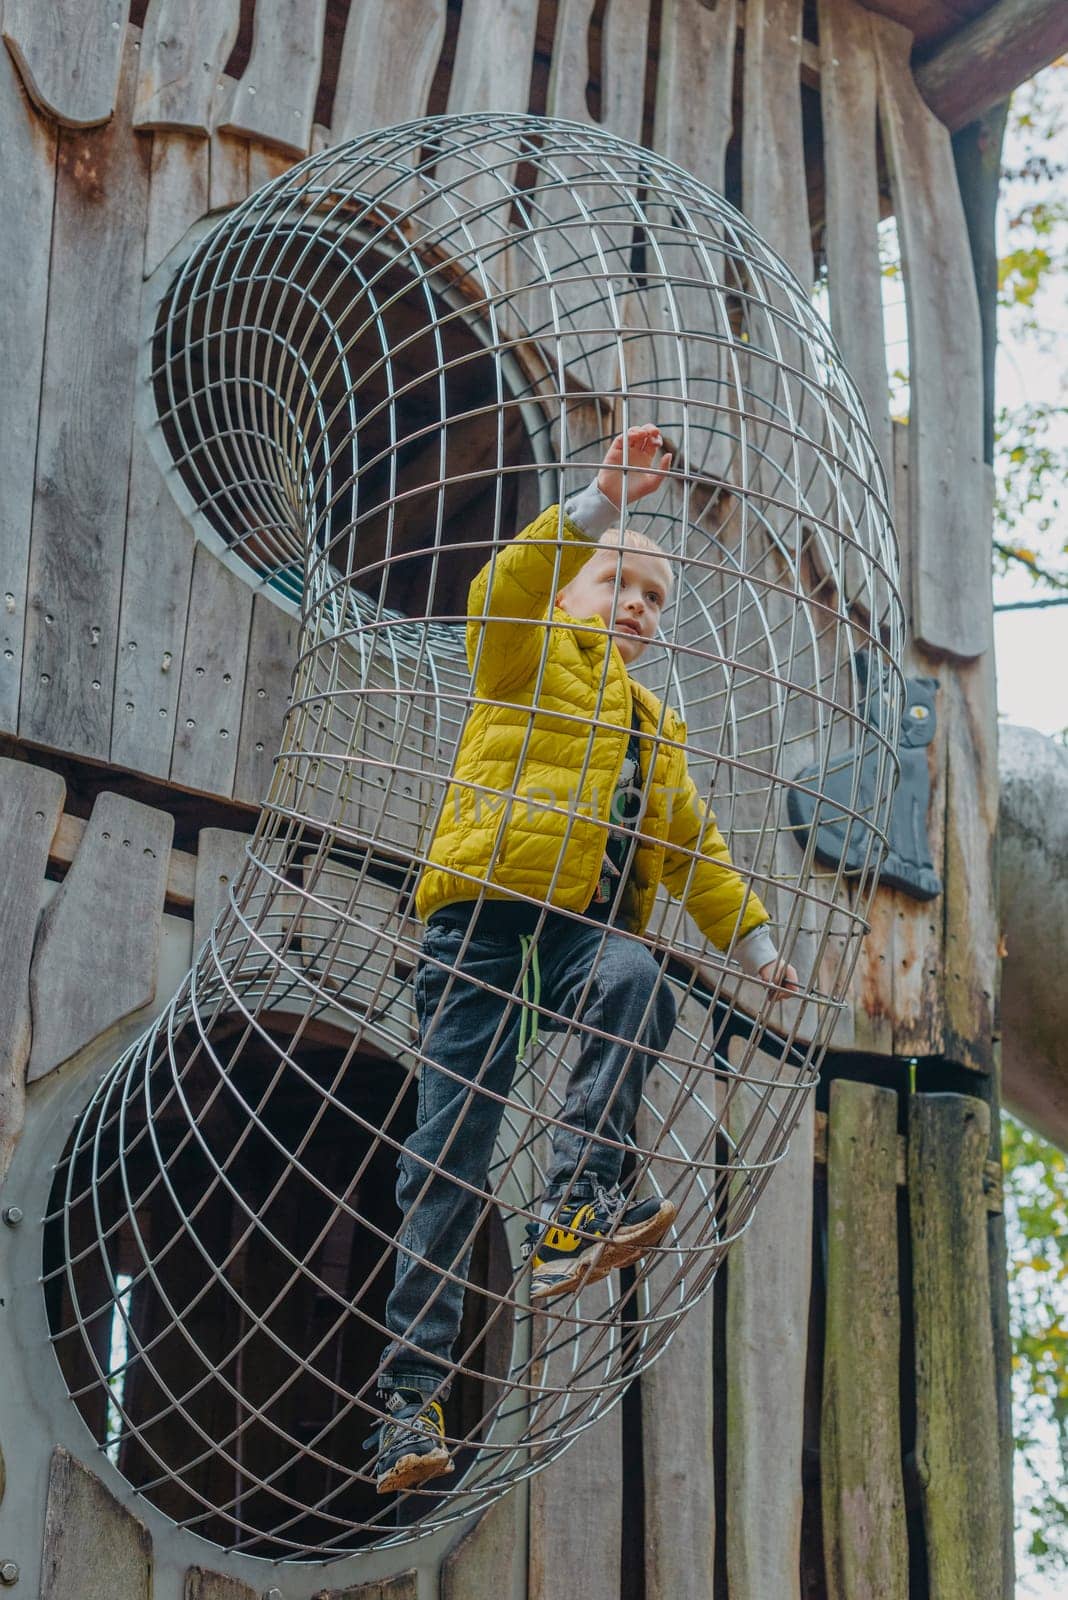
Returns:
point(472, 1035)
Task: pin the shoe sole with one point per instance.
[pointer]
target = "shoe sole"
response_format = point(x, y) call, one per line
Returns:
point(625, 1247)
point(414, 1469)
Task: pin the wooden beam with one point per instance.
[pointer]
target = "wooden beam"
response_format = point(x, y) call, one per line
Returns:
point(982, 63)
point(180, 889)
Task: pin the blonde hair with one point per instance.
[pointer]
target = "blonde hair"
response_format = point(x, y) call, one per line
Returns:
point(620, 537)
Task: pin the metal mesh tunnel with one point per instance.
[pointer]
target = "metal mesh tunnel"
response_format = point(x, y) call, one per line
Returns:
point(368, 378)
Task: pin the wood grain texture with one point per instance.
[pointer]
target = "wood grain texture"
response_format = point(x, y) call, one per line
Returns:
point(865, 1541)
point(220, 857)
point(576, 1512)
point(96, 959)
point(768, 1289)
point(481, 1562)
point(184, 47)
point(228, 171)
point(949, 523)
point(69, 55)
point(178, 192)
point(774, 194)
point(213, 677)
point(401, 1586)
point(957, 1458)
point(693, 86)
point(624, 50)
point(981, 62)
point(27, 191)
point(200, 1584)
point(274, 101)
point(83, 453)
point(388, 60)
point(94, 1549)
point(847, 104)
point(494, 56)
point(156, 575)
point(271, 659)
point(31, 804)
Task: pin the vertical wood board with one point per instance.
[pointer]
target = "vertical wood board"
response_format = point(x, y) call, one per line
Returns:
point(388, 60)
point(228, 171)
point(402, 1586)
point(693, 88)
point(271, 659)
point(481, 1563)
point(774, 193)
point(31, 804)
point(576, 1511)
point(957, 1457)
point(178, 192)
point(27, 191)
point(213, 677)
point(768, 1289)
point(848, 104)
point(949, 519)
point(184, 47)
point(94, 1549)
point(865, 1540)
point(494, 56)
point(96, 959)
point(624, 51)
point(200, 1584)
point(221, 854)
point(69, 55)
point(156, 576)
point(274, 101)
point(83, 456)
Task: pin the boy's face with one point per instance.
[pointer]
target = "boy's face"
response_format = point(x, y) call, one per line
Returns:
point(627, 587)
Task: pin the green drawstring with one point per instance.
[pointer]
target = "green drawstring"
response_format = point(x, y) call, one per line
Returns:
point(528, 1019)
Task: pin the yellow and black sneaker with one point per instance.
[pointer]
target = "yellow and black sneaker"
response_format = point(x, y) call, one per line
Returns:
point(589, 1238)
point(411, 1444)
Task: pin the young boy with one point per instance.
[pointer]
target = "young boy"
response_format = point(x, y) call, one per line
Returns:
point(551, 773)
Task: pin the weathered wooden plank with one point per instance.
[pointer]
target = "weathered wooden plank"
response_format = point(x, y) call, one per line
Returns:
point(847, 103)
point(97, 954)
point(152, 620)
point(265, 164)
point(981, 62)
point(213, 677)
point(624, 51)
point(494, 56)
point(220, 857)
point(274, 101)
point(94, 1549)
point(401, 1586)
point(693, 86)
point(481, 1562)
point(83, 467)
point(576, 1506)
point(774, 194)
point(865, 1540)
point(178, 192)
point(768, 1287)
point(31, 803)
point(271, 659)
point(184, 47)
point(181, 865)
point(387, 66)
point(27, 190)
point(69, 55)
point(957, 1459)
point(200, 1584)
point(948, 513)
point(228, 177)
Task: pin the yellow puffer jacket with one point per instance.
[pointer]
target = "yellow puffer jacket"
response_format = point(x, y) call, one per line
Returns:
point(535, 773)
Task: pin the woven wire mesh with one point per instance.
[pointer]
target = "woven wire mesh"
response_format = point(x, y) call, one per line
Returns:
point(368, 377)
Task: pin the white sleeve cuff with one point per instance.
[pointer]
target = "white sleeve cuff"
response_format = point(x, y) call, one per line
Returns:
point(756, 950)
point(591, 511)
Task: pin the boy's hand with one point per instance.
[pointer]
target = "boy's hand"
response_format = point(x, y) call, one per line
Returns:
point(643, 472)
point(780, 977)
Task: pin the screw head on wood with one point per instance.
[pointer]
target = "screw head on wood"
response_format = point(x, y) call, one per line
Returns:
point(9, 1573)
point(273, 1594)
point(13, 1215)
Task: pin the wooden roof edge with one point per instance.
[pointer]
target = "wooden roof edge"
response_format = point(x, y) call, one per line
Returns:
point(984, 61)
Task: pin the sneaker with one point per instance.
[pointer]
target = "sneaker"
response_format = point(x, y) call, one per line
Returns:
point(588, 1239)
point(410, 1444)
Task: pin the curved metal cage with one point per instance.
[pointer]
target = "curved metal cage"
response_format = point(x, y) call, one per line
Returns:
point(368, 377)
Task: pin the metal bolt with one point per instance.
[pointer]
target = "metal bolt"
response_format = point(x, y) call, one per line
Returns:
point(9, 1573)
point(13, 1215)
point(273, 1594)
